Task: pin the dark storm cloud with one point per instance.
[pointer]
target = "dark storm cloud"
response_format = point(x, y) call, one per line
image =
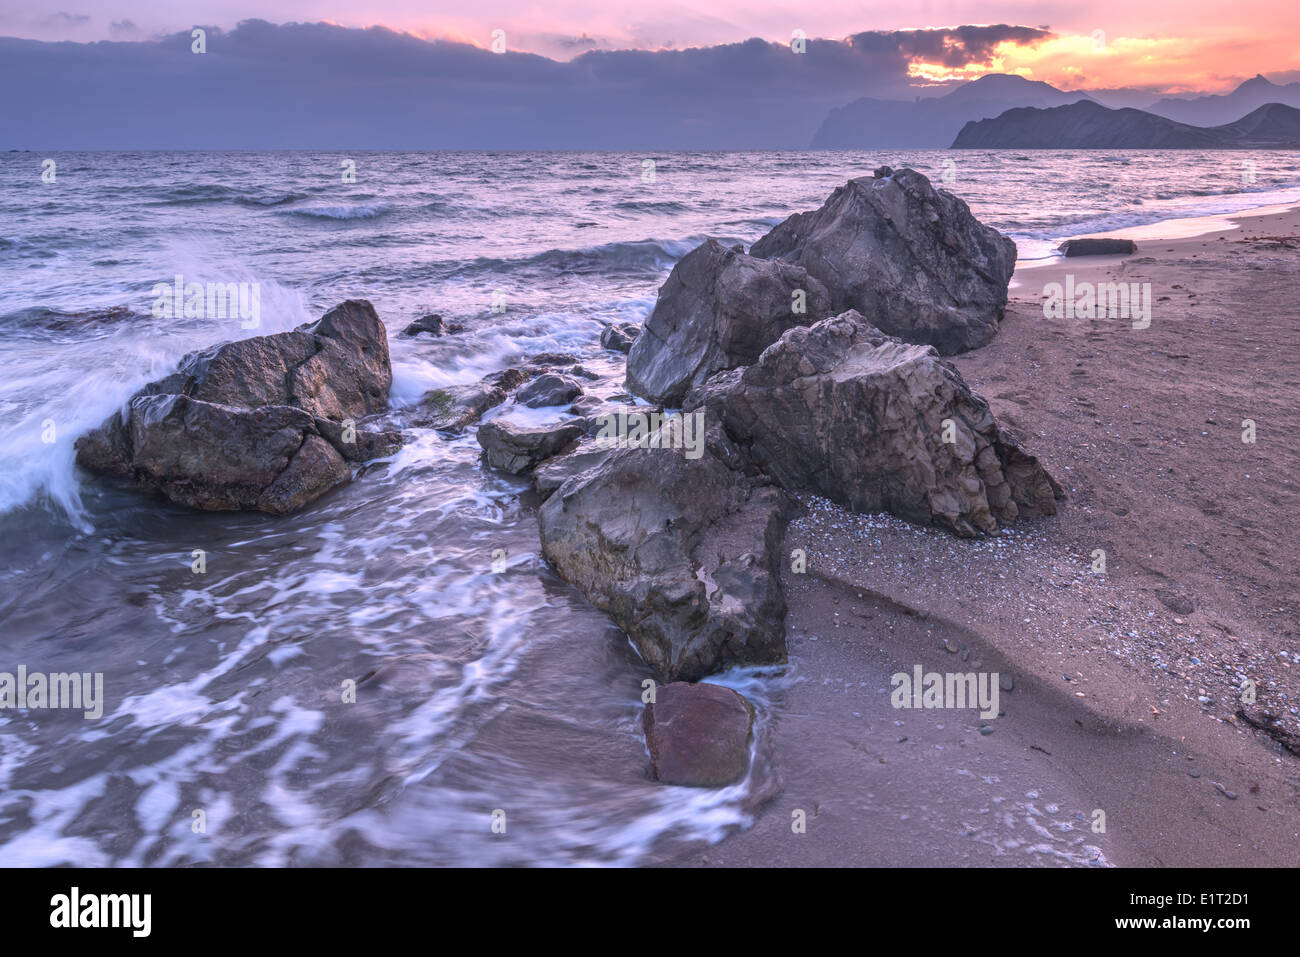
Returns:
point(321, 86)
point(951, 47)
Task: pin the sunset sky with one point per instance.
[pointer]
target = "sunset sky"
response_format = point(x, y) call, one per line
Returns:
point(1167, 45)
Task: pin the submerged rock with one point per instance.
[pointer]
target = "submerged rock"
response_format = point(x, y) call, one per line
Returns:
point(432, 325)
point(719, 309)
point(911, 257)
point(552, 359)
point(265, 423)
point(681, 553)
point(698, 734)
point(620, 336)
point(454, 408)
point(876, 424)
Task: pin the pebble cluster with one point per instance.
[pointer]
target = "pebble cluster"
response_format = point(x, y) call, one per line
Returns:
point(1023, 581)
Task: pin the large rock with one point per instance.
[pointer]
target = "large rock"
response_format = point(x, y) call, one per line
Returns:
point(265, 423)
point(719, 309)
point(876, 424)
point(682, 553)
point(698, 734)
point(911, 257)
point(517, 449)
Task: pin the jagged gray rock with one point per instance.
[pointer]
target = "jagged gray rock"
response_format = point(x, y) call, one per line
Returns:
point(517, 449)
point(263, 423)
point(911, 257)
point(619, 336)
point(719, 309)
point(876, 424)
point(681, 553)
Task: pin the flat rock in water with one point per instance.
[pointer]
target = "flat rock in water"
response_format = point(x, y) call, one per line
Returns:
point(1097, 247)
point(267, 423)
point(911, 257)
point(517, 449)
point(548, 389)
point(454, 408)
point(698, 734)
point(431, 325)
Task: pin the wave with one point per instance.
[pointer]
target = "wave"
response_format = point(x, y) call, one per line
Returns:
point(40, 321)
point(654, 206)
point(188, 195)
point(636, 259)
point(275, 199)
point(361, 211)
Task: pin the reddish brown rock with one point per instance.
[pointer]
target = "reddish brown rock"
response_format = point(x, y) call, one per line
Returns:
point(698, 734)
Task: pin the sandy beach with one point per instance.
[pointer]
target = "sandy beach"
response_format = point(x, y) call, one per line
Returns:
point(1126, 695)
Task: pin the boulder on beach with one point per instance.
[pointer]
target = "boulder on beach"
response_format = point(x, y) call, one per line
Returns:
point(910, 256)
point(868, 421)
point(549, 388)
point(456, 407)
point(718, 309)
point(682, 553)
point(1097, 247)
point(698, 734)
point(517, 449)
point(619, 336)
point(265, 423)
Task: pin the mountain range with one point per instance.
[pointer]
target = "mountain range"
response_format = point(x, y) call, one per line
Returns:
point(1089, 125)
point(931, 123)
point(935, 122)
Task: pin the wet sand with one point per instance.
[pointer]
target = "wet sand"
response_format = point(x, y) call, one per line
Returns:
point(1126, 684)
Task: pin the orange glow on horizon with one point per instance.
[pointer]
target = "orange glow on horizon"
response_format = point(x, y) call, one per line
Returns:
point(1172, 64)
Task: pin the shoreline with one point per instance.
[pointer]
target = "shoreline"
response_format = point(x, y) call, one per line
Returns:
point(1126, 683)
point(1164, 230)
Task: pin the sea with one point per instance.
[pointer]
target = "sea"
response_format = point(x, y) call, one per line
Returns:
point(490, 698)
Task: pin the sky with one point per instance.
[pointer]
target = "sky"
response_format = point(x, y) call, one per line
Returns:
point(1164, 45)
point(574, 74)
